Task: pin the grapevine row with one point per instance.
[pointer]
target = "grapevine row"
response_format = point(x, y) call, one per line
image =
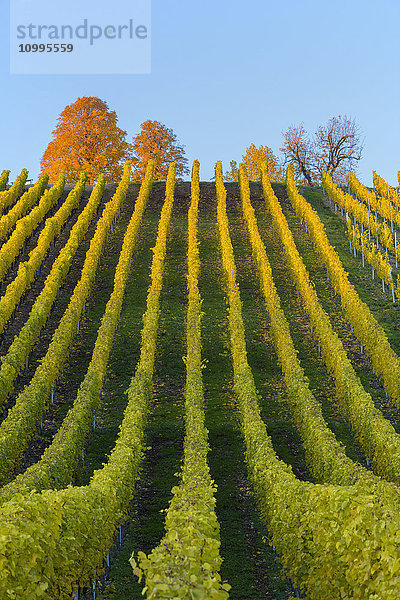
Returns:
point(4, 179)
point(22, 206)
point(28, 269)
point(366, 328)
point(314, 529)
point(186, 562)
point(23, 418)
point(361, 240)
point(386, 192)
point(8, 197)
point(66, 534)
point(57, 464)
point(373, 201)
point(15, 358)
point(378, 261)
point(375, 434)
point(325, 455)
point(361, 211)
point(25, 226)
point(384, 233)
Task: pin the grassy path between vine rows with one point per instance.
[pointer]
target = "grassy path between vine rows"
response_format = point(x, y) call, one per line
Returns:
point(249, 563)
point(165, 428)
point(21, 313)
point(261, 353)
point(24, 307)
point(321, 384)
point(83, 343)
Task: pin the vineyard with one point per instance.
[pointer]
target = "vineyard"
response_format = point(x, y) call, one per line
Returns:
point(199, 389)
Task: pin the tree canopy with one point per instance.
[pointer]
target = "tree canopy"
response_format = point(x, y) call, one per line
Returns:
point(252, 160)
point(86, 138)
point(334, 148)
point(159, 143)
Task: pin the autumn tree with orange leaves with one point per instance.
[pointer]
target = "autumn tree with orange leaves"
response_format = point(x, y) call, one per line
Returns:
point(335, 148)
point(86, 139)
point(159, 143)
point(252, 160)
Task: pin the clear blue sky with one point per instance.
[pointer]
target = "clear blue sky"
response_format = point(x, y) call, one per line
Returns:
point(226, 74)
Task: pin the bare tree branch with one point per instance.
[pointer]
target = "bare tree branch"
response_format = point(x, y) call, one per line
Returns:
point(334, 148)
